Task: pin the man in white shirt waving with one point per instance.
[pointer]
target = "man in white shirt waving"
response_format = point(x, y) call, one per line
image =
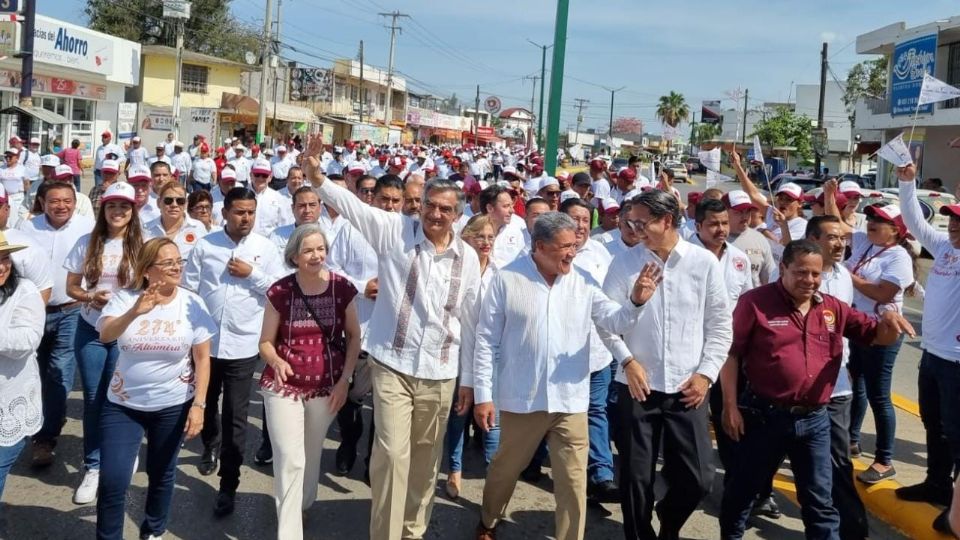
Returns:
point(231, 270)
point(533, 362)
point(679, 345)
point(428, 281)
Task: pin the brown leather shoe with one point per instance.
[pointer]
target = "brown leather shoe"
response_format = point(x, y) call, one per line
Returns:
point(41, 454)
point(483, 533)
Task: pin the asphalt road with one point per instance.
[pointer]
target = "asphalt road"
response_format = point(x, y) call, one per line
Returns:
point(38, 503)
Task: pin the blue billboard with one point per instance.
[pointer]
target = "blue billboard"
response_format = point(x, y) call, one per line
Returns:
point(911, 59)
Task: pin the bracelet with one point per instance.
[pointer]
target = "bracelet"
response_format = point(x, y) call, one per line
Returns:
point(199, 404)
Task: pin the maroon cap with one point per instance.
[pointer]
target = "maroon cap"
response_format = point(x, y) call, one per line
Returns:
point(694, 197)
point(950, 210)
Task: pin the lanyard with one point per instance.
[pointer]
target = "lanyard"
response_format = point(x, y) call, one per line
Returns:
point(864, 260)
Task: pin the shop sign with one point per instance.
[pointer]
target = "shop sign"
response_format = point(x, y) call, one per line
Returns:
point(156, 119)
point(126, 120)
point(911, 60)
point(72, 47)
point(9, 38)
point(10, 79)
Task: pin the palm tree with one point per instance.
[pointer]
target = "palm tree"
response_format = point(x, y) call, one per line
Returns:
point(673, 109)
point(705, 132)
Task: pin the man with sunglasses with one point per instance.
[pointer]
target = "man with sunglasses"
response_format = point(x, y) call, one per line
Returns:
point(270, 204)
point(366, 186)
point(678, 346)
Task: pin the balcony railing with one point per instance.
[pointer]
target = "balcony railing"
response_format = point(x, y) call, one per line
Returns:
point(878, 106)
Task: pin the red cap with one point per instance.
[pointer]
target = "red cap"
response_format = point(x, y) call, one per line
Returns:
point(597, 164)
point(204, 147)
point(821, 199)
point(537, 170)
point(889, 213)
point(627, 173)
point(950, 210)
point(694, 197)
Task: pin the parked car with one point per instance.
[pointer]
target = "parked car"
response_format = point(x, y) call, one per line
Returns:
point(679, 171)
point(694, 166)
point(850, 177)
point(930, 203)
point(806, 183)
point(869, 180)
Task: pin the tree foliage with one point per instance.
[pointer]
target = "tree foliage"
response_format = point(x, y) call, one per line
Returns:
point(211, 28)
point(702, 133)
point(866, 79)
point(673, 109)
point(786, 128)
point(628, 126)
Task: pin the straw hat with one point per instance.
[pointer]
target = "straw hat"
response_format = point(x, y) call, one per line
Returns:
point(6, 247)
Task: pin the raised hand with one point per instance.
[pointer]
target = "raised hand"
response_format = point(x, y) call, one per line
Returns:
point(646, 283)
point(735, 160)
point(310, 161)
point(148, 299)
point(908, 173)
point(831, 186)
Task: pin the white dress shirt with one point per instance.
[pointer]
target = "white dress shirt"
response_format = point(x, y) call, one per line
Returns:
point(183, 163)
point(686, 326)
point(242, 166)
point(508, 245)
point(736, 270)
point(351, 256)
point(270, 214)
point(280, 168)
point(595, 260)
point(101, 154)
point(425, 299)
point(235, 303)
point(56, 245)
point(137, 156)
point(204, 170)
point(941, 318)
point(31, 164)
point(838, 284)
point(536, 338)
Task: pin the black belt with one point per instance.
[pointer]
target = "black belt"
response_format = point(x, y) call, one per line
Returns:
point(754, 401)
point(62, 307)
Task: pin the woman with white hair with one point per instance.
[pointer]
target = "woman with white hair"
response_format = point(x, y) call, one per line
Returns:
point(310, 342)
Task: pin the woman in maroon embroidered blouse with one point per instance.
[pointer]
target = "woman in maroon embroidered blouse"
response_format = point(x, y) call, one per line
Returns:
point(310, 342)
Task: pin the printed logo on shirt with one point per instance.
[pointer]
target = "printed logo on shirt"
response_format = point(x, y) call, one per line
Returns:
point(740, 264)
point(116, 386)
point(778, 323)
point(190, 238)
point(830, 319)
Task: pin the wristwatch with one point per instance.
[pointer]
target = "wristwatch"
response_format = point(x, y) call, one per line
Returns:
point(199, 404)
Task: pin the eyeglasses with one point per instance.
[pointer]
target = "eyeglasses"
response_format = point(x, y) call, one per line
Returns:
point(170, 264)
point(261, 176)
point(367, 191)
point(637, 225)
point(483, 239)
point(179, 200)
point(201, 208)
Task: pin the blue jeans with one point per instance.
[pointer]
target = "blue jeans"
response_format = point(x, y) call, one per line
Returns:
point(8, 456)
point(769, 434)
point(456, 426)
point(197, 186)
point(96, 363)
point(599, 457)
point(939, 385)
point(55, 357)
point(871, 371)
point(121, 430)
point(97, 177)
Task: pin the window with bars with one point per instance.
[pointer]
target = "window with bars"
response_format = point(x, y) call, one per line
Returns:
point(193, 79)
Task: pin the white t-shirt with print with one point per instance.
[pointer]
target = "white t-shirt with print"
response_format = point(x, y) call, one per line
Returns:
point(876, 264)
point(110, 264)
point(154, 368)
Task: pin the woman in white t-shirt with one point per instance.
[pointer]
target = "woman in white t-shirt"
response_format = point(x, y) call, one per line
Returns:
point(203, 171)
point(174, 223)
point(99, 264)
point(159, 387)
point(881, 269)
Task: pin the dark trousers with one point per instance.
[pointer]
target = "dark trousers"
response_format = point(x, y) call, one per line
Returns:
point(727, 447)
point(770, 434)
point(853, 516)
point(278, 183)
point(939, 385)
point(233, 378)
point(687, 458)
point(871, 372)
point(121, 431)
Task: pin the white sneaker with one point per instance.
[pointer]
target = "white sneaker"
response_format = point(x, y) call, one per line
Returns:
point(87, 492)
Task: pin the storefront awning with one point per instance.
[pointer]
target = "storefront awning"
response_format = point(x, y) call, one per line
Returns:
point(247, 106)
point(49, 117)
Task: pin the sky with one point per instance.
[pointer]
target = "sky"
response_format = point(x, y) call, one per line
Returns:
point(701, 49)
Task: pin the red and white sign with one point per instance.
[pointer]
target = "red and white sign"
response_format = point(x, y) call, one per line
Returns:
point(492, 104)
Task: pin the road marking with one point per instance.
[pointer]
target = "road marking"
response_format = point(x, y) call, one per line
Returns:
point(905, 404)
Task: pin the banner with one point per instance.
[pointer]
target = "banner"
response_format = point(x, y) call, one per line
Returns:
point(51, 85)
point(911, 61)
point(126, 121)
point(711, 112)
point(710, 159)
point(311, 84)
point(896, 152)
point(66, 45)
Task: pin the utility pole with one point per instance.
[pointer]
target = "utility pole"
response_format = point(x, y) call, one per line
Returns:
point(25, 121)
point(580, 103)
point(178, 79)
point(393, 41)
point(476, 118)
point(823, 94)
point(361, 81)
point(610, 134)
point(543, 84)
point(533, 95)
point(276, 69)
point(556, 85)
point(265, 63)
point(743, 136)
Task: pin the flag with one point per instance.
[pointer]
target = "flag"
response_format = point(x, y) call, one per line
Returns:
point(758, 151)
point(653, 173)
point(714, 179)
point(934, 90)
point(710, 159)
point(896, 152)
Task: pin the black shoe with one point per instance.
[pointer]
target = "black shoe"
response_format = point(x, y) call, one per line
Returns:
point(264, 455)
point(346, 457)
point(208, 462)
point(605, 492)
point(224, 505)
point(766, 507)
point(942, 524)
point(924, 492)
point(532, 474)
point(855, 451)
point(667, 531)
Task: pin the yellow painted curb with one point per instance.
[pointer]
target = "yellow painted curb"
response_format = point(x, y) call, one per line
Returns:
point(905, 404)
point(911, 518)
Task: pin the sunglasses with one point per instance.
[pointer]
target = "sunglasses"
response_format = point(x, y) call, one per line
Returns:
point(179, 200)
point(367, 191)
point(261, 176)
